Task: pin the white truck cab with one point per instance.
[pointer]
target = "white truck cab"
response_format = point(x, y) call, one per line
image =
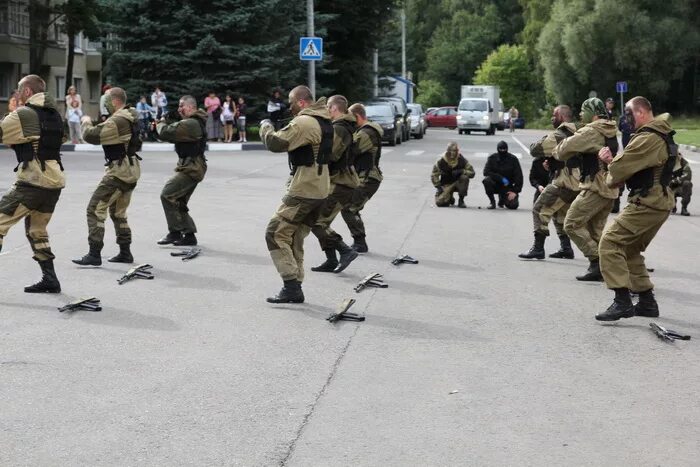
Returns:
point(479, 109)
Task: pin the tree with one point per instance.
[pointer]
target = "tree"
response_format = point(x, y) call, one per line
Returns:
point(650, 44)
point(508, 68)
point(431, 93)
point(77, 16)
point(39, 22)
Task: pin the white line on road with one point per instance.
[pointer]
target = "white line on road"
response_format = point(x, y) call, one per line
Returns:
point(386, 151)
point(527, 151)
point(414, 153)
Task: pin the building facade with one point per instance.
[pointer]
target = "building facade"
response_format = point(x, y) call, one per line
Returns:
point(14, 59)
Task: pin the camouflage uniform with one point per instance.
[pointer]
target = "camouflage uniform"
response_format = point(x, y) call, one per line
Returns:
point(646, 167)
point(451, 173)
point(682, 184)
point(344, 181)
point(190, 137)
point(122, 171)
point(307, 189)
point(40, 179)
point(368, 146)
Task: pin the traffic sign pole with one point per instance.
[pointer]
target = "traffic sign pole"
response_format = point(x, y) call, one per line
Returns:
point(621, 87)
point(312, 63)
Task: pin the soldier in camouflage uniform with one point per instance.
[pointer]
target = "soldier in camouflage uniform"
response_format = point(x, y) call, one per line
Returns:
point(588, 213)
point(646, 164)
point(190, 138)
point(308, 140)
point(344, 180)
point(554, 201)
point(451, 173)
point(368, 150)
point(682, 184)
point(119, 138)
point(35, 131)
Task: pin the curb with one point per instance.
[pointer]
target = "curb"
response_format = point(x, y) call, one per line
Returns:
point(164, 147)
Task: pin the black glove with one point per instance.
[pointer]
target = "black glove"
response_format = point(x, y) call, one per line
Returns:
point(439, 190)
point(675, 183)
point(456, 173)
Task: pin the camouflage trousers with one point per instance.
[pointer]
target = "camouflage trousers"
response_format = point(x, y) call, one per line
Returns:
point(34, 205)
point(552, 205)
point(174, 197)
point(351, 214)
point(447, 197)
point(684, 191)
point(586, 220)
point(286, 232)
point(340, 198)
point(111, 196)
point(621, 247)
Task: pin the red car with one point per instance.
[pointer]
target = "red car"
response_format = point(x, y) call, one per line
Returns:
point(442, 117)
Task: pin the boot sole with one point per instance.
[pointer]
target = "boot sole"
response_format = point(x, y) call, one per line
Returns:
point(111, 260)
point(610, 318)
point(87, 264)
point(342, 265)
point(272, 300)
point(561, 256)
point(323, 269)
point(531, 257)
point(43, 291)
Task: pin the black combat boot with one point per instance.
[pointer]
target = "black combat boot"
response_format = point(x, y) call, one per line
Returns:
point(565, 250)
point(188, 239)
point(124, 255)
point(460, 203)
point(492, 200)
point(48, 283)
point(684, 209)
point(330, 264)
point(360, 245)
point(537, 250)
point(93, 257)
point(621, 307)
point(592, 274)
point(647, 305)
point(170, 238)
point(347, 256)
point(290, 293)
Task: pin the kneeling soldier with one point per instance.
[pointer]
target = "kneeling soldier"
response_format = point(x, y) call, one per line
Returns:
point(682, 185)
point(451, 173)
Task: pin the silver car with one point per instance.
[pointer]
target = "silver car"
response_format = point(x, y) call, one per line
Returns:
point(417, 117)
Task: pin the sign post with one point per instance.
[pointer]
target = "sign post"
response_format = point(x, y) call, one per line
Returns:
point(311, 51)
point(621, 87)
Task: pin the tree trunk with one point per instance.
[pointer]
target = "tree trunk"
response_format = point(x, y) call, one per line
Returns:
point(39, 17)
point(69, 63)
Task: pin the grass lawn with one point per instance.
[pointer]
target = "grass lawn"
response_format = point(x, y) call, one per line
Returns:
point(691, 137)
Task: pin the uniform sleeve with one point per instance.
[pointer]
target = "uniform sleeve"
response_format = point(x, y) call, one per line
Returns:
point(103, 133)
point(469, 170)
point(536, 149)
point(687, 173)
point(584, 140)
point(11, 130)
point(339, 145)
point(363, 143)
point(287, 139)
point(435, 176)
point(641, 153)
point(184, 131)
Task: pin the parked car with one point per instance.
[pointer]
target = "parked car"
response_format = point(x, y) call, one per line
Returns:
point(384, 113)
point(418, 123)
point(445, 117)
point(403, 110)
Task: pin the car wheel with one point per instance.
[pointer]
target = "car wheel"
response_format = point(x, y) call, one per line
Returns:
point(469, 132)
point(392, 142)
point(419, 135)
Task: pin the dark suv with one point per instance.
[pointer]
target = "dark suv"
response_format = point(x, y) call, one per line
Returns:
point(403, 109)
point(385, 114)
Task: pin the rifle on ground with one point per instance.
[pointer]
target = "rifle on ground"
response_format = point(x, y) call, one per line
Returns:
point(142, 271)
point(187, 254)
point(343, 314)
point(372, 280)
point(90, 304)
point(666, 334)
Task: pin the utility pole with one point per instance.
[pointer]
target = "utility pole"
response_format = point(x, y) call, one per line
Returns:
point(403, 43)
point(310, 31)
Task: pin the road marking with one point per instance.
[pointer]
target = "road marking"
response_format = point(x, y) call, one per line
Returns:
point(414, 153)
point(525, 148)
point(386, 151)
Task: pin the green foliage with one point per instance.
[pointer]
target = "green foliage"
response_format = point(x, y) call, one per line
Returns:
point(508, 68)
point(431, 93)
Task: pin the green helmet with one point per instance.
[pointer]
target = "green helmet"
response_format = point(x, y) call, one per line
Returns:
point(593, 107)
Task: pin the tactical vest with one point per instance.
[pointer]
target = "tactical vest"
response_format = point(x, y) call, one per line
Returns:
point(446, 175)
point(303, 156)
point(365, 162)
point(118, 152)
point(50, 139)
point(343, 164)
point(641, 182)
point(590, 164)
point(555, 166)
point(193, 149)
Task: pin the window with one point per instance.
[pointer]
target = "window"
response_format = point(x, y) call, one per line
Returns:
point(60, 86)
point(4, 85)
point(78, 83)
point(19, 19)
point(3, 20)
point(94, 86)
point(441, 112)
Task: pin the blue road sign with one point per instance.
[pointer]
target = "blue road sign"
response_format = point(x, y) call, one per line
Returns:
point(311, 48)
point(621, 86)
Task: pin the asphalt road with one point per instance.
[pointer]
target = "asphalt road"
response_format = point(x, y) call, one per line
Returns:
point(471, 357)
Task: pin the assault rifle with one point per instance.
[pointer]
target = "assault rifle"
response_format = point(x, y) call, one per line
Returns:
point(343, 314)
point(372, 280)
point(142, 271)
point(90, 304)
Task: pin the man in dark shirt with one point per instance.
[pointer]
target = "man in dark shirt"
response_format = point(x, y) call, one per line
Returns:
point(539, 176)
point(504, 177)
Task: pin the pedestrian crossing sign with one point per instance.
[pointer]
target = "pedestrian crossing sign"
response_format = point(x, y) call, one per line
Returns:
point(311, 48)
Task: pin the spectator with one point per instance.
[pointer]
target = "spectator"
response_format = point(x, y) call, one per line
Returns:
point(71, 97)
point(503, 177)
point(145, 112)
point(539, 176)
point(13, 103)
point(159, 102)
point(104, 113)
point(275, 107)
point(609, 106)
point(75, 113)
point(228, 117)
point(514, 114)
point(213, 106)
point(242, 109)
point(626, 131)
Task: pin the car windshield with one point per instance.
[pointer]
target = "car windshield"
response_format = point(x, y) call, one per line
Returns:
point(472, 105)
point(374, 111)
point(415, 109)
